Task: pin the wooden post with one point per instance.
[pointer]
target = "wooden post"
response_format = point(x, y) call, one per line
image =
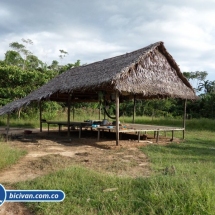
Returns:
point(41, 124)
point(68, 114)
point(172, 135)
point(104, 110)
point(157, 137)
point(184, 119)
point(99, 109)
point(117, 118)
point(138, 136)
point(98, 138)
point(8, 124)
point(134, 108)
point(153, 113)
point(73, 112)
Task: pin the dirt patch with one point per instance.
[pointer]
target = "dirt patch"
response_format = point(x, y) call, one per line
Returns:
point(12, 208)
point(50, 155)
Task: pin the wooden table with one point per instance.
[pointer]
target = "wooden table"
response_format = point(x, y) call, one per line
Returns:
point(64, 123)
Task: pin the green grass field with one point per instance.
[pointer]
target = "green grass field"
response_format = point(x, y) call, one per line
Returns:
point(182, 181)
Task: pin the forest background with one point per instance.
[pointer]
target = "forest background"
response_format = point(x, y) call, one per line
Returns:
point(21, 72)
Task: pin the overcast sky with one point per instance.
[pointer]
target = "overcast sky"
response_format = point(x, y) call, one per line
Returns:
point(92, 30)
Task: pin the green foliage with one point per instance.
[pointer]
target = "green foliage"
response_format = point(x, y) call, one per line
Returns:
point(2, 63)
point(17, 46)
point(207, 86)
point(16, 83)
point(69, 66)
point(20, 56)
point(52, 110)
point(13, 58)
point(32, 62)
point(199, 75)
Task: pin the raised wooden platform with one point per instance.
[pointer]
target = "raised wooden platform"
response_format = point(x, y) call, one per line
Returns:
point(138, 128)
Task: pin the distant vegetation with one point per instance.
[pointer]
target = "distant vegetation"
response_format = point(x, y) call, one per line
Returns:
point(21, 72)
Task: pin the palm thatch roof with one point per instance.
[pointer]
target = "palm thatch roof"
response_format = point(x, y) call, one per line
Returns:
point(150, 72)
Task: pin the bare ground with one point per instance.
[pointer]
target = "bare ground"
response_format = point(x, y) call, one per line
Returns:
point(48, 153)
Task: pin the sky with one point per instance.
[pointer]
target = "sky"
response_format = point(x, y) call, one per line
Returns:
point(94, 30)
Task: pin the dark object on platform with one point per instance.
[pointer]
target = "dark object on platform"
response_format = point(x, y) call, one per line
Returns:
point(27, 132)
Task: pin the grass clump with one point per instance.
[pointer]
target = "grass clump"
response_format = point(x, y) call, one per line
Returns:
point(9, 155)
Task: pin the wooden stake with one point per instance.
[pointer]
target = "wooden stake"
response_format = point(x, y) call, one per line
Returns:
point(157, 137)
point(68, 114)
point(117, 118)
point(73, 112)
point(8, 119)
point(41, 124)
point(184, 119)
point(134, 109)
point(99, 109)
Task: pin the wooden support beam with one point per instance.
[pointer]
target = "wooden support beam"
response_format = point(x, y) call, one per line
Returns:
point(80, 130)
point(184, 119)
point(73, 112)
point(157, 137)
point(172, 135)
point(138, 136)
point(98, 138)
point(41, 124)
point(134, 109)
point(8, 126)
point(68, 114)
point(117, 118)
point(100, 103)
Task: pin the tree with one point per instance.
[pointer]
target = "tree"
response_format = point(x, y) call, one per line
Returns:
point(63, 54)
point(32, 62)
point(17, 47)
point(28, 61)
point(54, 66)
point(197, 76)
point(21, 49)
point(69, 66)
point(207, 86)
point(13, 58)
point(16, 83)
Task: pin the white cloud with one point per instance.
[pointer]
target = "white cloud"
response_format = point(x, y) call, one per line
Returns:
point(94, 30)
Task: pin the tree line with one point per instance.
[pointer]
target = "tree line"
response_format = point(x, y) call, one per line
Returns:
point(21, 72)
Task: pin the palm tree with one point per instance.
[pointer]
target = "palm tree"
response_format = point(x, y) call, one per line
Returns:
point(207, 86)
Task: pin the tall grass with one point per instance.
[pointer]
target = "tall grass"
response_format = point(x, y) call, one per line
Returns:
point(193, 162)
point(191, 124)
point(9, 155)
point(85, 194)
point(33, 121)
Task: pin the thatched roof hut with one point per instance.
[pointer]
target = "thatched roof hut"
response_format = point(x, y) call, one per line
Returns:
point(150, 72)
